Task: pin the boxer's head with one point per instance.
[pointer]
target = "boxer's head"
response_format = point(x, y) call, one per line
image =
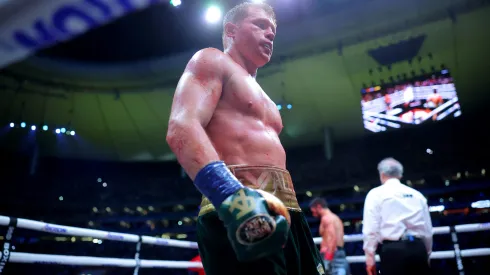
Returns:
point(250, 29)
point(390, 168)
point(318, 207)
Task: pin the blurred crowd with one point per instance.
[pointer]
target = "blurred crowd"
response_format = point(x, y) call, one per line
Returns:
point(371, 93)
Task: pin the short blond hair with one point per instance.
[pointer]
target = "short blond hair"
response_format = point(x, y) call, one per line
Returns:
point(240, 12)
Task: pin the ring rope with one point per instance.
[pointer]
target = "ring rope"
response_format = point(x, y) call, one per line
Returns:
point(99, 234)
point(462, 228)
point(32, 258)
point(21, 257)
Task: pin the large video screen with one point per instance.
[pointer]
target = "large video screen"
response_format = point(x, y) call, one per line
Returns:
point(422, 100)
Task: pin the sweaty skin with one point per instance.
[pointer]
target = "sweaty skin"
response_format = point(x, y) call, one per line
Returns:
point(332, 232)
point(219, 111)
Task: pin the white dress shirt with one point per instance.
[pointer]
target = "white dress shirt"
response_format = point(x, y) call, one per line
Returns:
point(393, 210)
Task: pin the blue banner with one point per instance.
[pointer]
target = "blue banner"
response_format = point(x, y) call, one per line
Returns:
point(38, 24)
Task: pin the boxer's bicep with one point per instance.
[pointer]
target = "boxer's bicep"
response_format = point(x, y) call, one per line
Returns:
point(323, 232)
point(195, 100)
point(329, 235)
point(199, 89)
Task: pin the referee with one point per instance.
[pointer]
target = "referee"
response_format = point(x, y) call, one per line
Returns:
point(398, 217)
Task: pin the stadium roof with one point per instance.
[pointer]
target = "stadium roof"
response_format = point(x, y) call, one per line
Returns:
point(116, 94)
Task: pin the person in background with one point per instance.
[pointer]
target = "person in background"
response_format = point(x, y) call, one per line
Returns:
point(388, 101)
point(398, 217)
point(433, 101)
point(332, 232)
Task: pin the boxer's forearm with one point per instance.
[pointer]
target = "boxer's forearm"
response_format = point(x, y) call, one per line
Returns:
point(331, 237)
point(370, 258)
point(332, 244)
point(323, 245)
point(191, 145)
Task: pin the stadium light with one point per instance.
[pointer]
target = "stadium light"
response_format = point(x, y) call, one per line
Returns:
point(175, 3)
point(213, 14)
point(44, 127)
point(481, 204)
point(436, 208)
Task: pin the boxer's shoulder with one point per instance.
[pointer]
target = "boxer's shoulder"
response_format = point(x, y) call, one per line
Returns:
point(207, 53)
point(209, 57)
point(326, 219)
point(209, 62)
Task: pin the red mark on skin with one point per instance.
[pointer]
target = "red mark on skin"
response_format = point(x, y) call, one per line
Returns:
point(179, 147)
point(198, 153)
point(196, 161)
point(203, 80)
point(268, 157)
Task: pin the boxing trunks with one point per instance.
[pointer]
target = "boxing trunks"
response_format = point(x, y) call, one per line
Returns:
point(300, 256)
point(339, 265)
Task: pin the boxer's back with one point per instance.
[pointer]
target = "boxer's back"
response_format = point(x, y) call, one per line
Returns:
point(337, 224)
point(246, 123)
point(339, 230)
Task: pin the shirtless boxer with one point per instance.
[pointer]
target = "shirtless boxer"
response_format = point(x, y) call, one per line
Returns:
point(224, 130)
point(332, 232)
point(433, 101)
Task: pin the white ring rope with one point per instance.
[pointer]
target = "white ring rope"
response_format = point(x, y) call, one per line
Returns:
point(472, 227)
point(99, 234)
point(31, 258)
point(20, 257)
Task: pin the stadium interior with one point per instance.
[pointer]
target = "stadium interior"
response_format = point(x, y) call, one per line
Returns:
point(83, 123)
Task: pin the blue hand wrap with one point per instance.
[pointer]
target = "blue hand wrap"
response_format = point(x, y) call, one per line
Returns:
point(216, 182)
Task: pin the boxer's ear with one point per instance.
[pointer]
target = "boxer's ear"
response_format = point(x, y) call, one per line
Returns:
point(230, 30)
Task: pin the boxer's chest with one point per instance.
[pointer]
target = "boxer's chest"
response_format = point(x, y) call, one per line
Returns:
point(246, 96)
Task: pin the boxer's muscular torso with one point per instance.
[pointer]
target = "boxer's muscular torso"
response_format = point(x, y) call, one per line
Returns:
point(332, 220)
point(246, 123)
point(219, 112)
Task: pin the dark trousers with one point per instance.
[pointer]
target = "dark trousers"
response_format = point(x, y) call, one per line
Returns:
point(300, 256)
point(404, 257)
